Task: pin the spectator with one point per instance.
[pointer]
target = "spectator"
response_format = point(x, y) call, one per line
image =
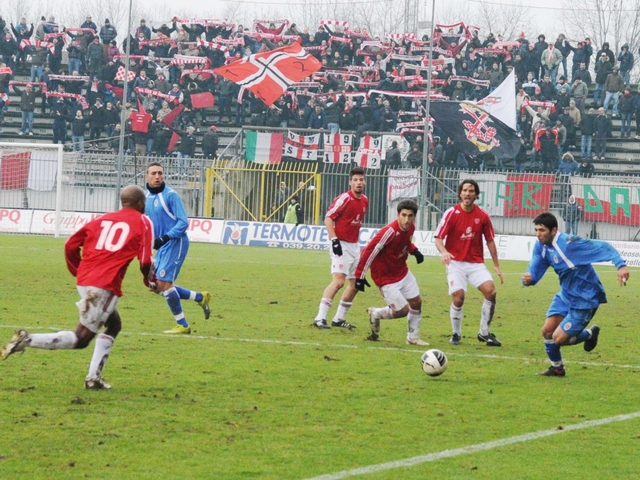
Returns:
point(496, 76)
point(579, 56)
point(95, 58)
point(210, 143)
point(579, 92)
point(415, 157)
point(78, 128)
point(8, 50)
point(565, 48)
point(587, 128)
point(603, 68)
point(37, 56)
point(572, 214)
point(576, 118)
point(74, 53)
point(107, 33)
point(611, 57)
point(562, 137)
point(88, 23)
point(625, 60)
point(143, 30)
point(583, 74)
point(548, 140)
point(521, 157)
point(613, 86)
point(60, 113)
point(393, 156)
point(568, 165)
point(551, 59)
point(27, 106)
point(97, 119)
point(316, 119)
point(626, 110)
point(586, 168)
point(186, 149)
point(294, 213)
point(539, 47)
point(602, 127)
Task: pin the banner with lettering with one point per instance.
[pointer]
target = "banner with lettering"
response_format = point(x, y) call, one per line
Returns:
point(403, 184)
point(607, 200)
point(302, 147)
point(513, 195)
point(338, 147)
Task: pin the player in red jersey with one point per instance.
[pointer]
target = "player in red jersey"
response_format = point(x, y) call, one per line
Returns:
point(98, 255)
point(459, 241)
point(386, 255)
point(343, 221)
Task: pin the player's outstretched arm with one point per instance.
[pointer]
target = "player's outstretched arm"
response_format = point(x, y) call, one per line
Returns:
point(623, 276)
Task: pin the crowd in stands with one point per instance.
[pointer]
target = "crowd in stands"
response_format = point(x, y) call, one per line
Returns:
point(366, 84)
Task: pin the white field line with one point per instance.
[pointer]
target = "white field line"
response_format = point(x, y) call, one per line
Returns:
point(431, 457)
point(527, 360)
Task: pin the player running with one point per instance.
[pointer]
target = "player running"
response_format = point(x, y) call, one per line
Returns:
point(165, 208)
point(386, 255)
point(581, 292)
point(459, 241)
point(343, 221)
point(98, 255)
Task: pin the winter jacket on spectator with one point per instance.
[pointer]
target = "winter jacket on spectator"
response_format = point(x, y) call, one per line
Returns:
point(584, 75)
point(614, 82)
point(603, 68)
point(562, 99)
point(588, 124)
point(37, 55)
point(164, 29)
point(563, 46)
point(388, 120)
point(108, 32)
point(27, 98)
point(393, 157)
point(89, 24)
point(602, 124)
point(143, 30)
point(21, 33)
point(579, 90)
point(95, 57)
point(568, 166)
point(625, 58)
point(74, 50)
point(608, 52)
point(551, 57)
point(332, 113)
point(625, 104)
point(79, 126)
point(316, 119)
point(8, 47)
point(210, 143)
point(187, 142)
point(548, 90)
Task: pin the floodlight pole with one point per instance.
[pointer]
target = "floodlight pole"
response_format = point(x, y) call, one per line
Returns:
point(425, 150)
point(123, 120)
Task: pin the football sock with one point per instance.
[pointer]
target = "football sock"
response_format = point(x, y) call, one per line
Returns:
point(384, 312)
point(63, 340)
point(186, 294)
point(341, 313)
point(323, 309)
point(553, 352)
point(455, 314)
point(100, 355)
point(413, 320)
point(173, 300)
point(581, 337)
point(486, 316)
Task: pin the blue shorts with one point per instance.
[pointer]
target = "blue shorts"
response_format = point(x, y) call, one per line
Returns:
point(170, 257)
point(575, 320)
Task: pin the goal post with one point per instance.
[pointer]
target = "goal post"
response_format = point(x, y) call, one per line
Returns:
point(31, 178)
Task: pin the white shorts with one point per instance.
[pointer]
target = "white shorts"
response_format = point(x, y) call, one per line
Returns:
point(348, 261)
point(461, 273)
point(397, 294)
point(95, 306)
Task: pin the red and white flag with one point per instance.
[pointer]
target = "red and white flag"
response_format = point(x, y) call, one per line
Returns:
point(121, 72)
point(35, 170)
point(369, 153)
point(269, 74)
point(302, 147)
point(338, 147)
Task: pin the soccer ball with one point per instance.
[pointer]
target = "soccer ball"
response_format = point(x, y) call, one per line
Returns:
point(434, 362)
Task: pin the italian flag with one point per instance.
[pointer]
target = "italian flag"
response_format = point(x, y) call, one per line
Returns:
point(264, 147)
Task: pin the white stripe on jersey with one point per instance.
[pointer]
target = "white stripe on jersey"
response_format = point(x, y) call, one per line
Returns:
point(561, 253)
point(165, 208)
point(341, 200)
point(443, 221)
point(378, 248)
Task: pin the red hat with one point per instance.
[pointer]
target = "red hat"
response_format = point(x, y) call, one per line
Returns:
point(214, 128)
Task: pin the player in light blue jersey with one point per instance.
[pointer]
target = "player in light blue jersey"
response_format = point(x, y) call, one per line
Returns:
point(164, 207)
point(581, 291)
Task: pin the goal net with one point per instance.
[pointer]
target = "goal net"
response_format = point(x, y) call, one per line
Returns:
point(30, 190)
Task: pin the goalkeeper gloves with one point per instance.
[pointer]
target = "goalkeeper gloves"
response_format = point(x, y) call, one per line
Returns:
point(419, 256)
point(336, 247)
point(361, 283)
point(159, 242)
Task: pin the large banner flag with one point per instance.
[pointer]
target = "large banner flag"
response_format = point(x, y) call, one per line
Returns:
point(35, 170)
point(513, 195)
point(302, 147)
point(338, 147)
point(607, 200)
point(474, 130)
point(369, 153)
point(269, 74)
point(403, 184)
point(264, 147)
point(501, 103)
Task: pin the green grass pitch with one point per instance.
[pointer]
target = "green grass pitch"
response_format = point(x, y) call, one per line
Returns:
point(256, 392)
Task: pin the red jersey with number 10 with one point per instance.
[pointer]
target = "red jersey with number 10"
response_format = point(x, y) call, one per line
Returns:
point(463, 231)
point(347, 211)
point(108, 244)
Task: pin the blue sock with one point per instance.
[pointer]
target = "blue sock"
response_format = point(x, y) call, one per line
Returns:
point(580, 338)
point(186, 294)
point(173, 300)
point(553, 352)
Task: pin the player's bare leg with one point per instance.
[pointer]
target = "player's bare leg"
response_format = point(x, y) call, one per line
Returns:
point(339, 320)
point(329, 293)
point(455, 314)
point(488, 290)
